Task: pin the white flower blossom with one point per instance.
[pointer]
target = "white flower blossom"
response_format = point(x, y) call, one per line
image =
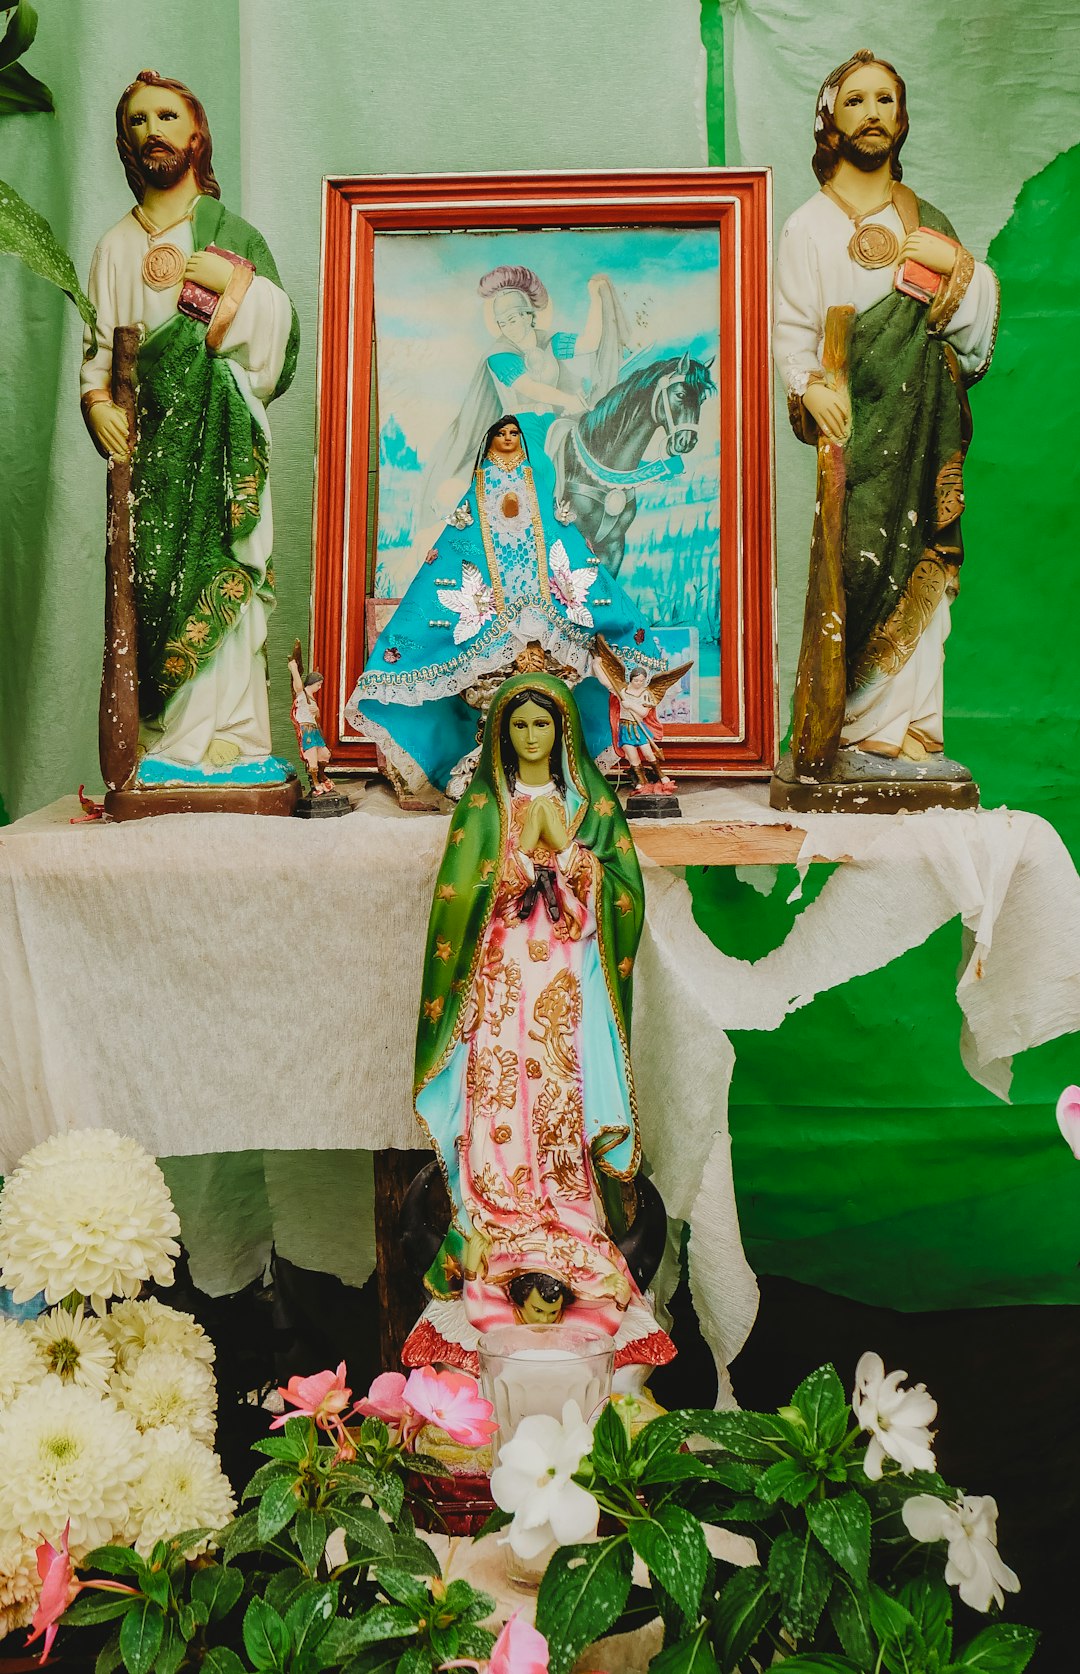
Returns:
point(74, 1348)
point(20, 1365)
point(66, 1454)
point(532, 1480)
point(182, 1486)
point(20, 1583)
point(896, 1418)
point(970, 1527)
point(86, 1211)
point(164, 1386)
point(132, 1327)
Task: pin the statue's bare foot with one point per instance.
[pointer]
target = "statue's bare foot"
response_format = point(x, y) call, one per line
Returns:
point(222, 752)
point(912, 749)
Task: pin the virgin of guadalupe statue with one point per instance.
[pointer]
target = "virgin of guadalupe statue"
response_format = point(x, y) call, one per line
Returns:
point(503, 576)
point(523, 1081)
point(540, 374)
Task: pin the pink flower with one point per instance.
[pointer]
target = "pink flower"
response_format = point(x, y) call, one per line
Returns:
point(58, 1588)
point(1068, 1119)
point(453, 1402)
point(323, 1397)
point(385, 1400)
point(519, 1649)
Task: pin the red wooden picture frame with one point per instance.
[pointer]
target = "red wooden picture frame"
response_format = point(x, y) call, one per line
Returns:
point(738, 202)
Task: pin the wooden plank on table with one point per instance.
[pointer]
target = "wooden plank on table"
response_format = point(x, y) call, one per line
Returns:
point(723, 843)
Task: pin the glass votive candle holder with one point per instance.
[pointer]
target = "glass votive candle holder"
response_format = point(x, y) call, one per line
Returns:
point(526, 1370)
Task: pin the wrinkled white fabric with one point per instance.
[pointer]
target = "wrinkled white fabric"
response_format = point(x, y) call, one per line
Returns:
point(221, 983)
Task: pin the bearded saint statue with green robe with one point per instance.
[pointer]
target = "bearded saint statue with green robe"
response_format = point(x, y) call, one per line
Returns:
point(881, 378)
point(202, 527)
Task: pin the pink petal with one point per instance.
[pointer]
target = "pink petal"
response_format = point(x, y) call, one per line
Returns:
point(385, 1398)
point(519, 1649)
point(1068, 1119)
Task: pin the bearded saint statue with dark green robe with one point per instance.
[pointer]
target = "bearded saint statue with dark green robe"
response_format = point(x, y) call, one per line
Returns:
point(202, 527)
point(881, 377)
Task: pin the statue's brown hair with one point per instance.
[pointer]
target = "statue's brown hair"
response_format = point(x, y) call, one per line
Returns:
point(827, 135)
point(202, 145)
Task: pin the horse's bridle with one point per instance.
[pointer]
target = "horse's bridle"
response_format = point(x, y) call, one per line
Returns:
point(662, 414)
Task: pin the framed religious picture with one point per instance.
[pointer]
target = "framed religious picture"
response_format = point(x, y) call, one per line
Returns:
point(623, 322)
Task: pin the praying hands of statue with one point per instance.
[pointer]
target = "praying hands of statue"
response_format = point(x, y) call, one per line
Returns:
point(544, 823)
point(210, 271)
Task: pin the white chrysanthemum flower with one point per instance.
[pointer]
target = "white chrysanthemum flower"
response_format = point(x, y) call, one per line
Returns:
point(64, 1453)
point(19, 1362)
point(74, 1348)
point(897, 1419)
point(20, 1583)
point(87, 1211)
point(182, 1486)
point(134, 1326)
point(164, 1386)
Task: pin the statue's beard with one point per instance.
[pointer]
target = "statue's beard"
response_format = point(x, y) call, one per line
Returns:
point(161, 165)
point(867, 151)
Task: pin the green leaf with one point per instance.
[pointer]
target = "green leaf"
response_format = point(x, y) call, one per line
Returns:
point(191, 1618)
point(415, 1555)
point(689, 1656)
point(418, 1659)
point(672, 1547)
point(241, 1536)
point(818, 1662)
point(173, 1649)
point(610, 1450)
point(114, 1560)
point(376, 1659)
point(20, 92)
point(26, 234)
point(19, 34)
point(491, 1525)
point(266, 1638)
point(186, 1539)
point(288, 1446)
point(108, 1658)
point(581, 1595)
point(700, 1467)
point(405, 1588)
point(389, 1496)
point(787, 1480)
point(422, 1464)
point(801, 1575)
point(843, 1527)
point(384, 1621)
point(849, 1610)
point(822, 1401)
point(1004, 1648)
point(890, 1618)
point(475, 1642)
point(218, 1589)
point(742, 1613)
point(930, 1603)
point(464, 1603)
point(310, 1531)
point(156, 1586)
point(100, 1607)
point(309, 1617)
point(141, 1633)
point(276, 1470)
point(277, 1507)
point(220, 1660)
point(367, 1529)
point(358, 1477)
point(756, 1436)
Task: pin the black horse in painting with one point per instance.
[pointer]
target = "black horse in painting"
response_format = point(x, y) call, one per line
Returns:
point(601, 459)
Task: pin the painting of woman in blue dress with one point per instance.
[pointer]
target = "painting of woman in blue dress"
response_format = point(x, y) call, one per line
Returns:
point(531, 369)
point(507, 584)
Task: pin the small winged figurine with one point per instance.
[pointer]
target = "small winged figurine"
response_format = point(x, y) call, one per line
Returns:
point(305, 719)
point(635, 731)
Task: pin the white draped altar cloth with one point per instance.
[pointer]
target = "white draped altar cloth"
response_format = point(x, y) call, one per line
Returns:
point(218, 983)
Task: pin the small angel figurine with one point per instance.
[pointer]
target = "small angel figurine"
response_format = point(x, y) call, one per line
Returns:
point(636, 733)
point(305, 720)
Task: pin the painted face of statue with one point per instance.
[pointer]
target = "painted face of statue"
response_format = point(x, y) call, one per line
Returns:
point(514, 315)
point(162, 130)
point(535, 1311)
point(532, 734)
point(505, 444)
point(866, 116)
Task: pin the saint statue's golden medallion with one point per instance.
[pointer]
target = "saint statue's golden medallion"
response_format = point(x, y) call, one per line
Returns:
point(874, 246)
point(163, 266)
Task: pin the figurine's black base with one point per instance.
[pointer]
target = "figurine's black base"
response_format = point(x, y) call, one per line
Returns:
point(325, 807)
point(653, 805)
point(862, 783)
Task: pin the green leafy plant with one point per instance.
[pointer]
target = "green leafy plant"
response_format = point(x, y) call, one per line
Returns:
point(842, 1585)
point(23, 232)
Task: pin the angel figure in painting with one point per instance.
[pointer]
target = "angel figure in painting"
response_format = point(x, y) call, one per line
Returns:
point(523, 1081)
point(636, 732)
point(505, 586)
